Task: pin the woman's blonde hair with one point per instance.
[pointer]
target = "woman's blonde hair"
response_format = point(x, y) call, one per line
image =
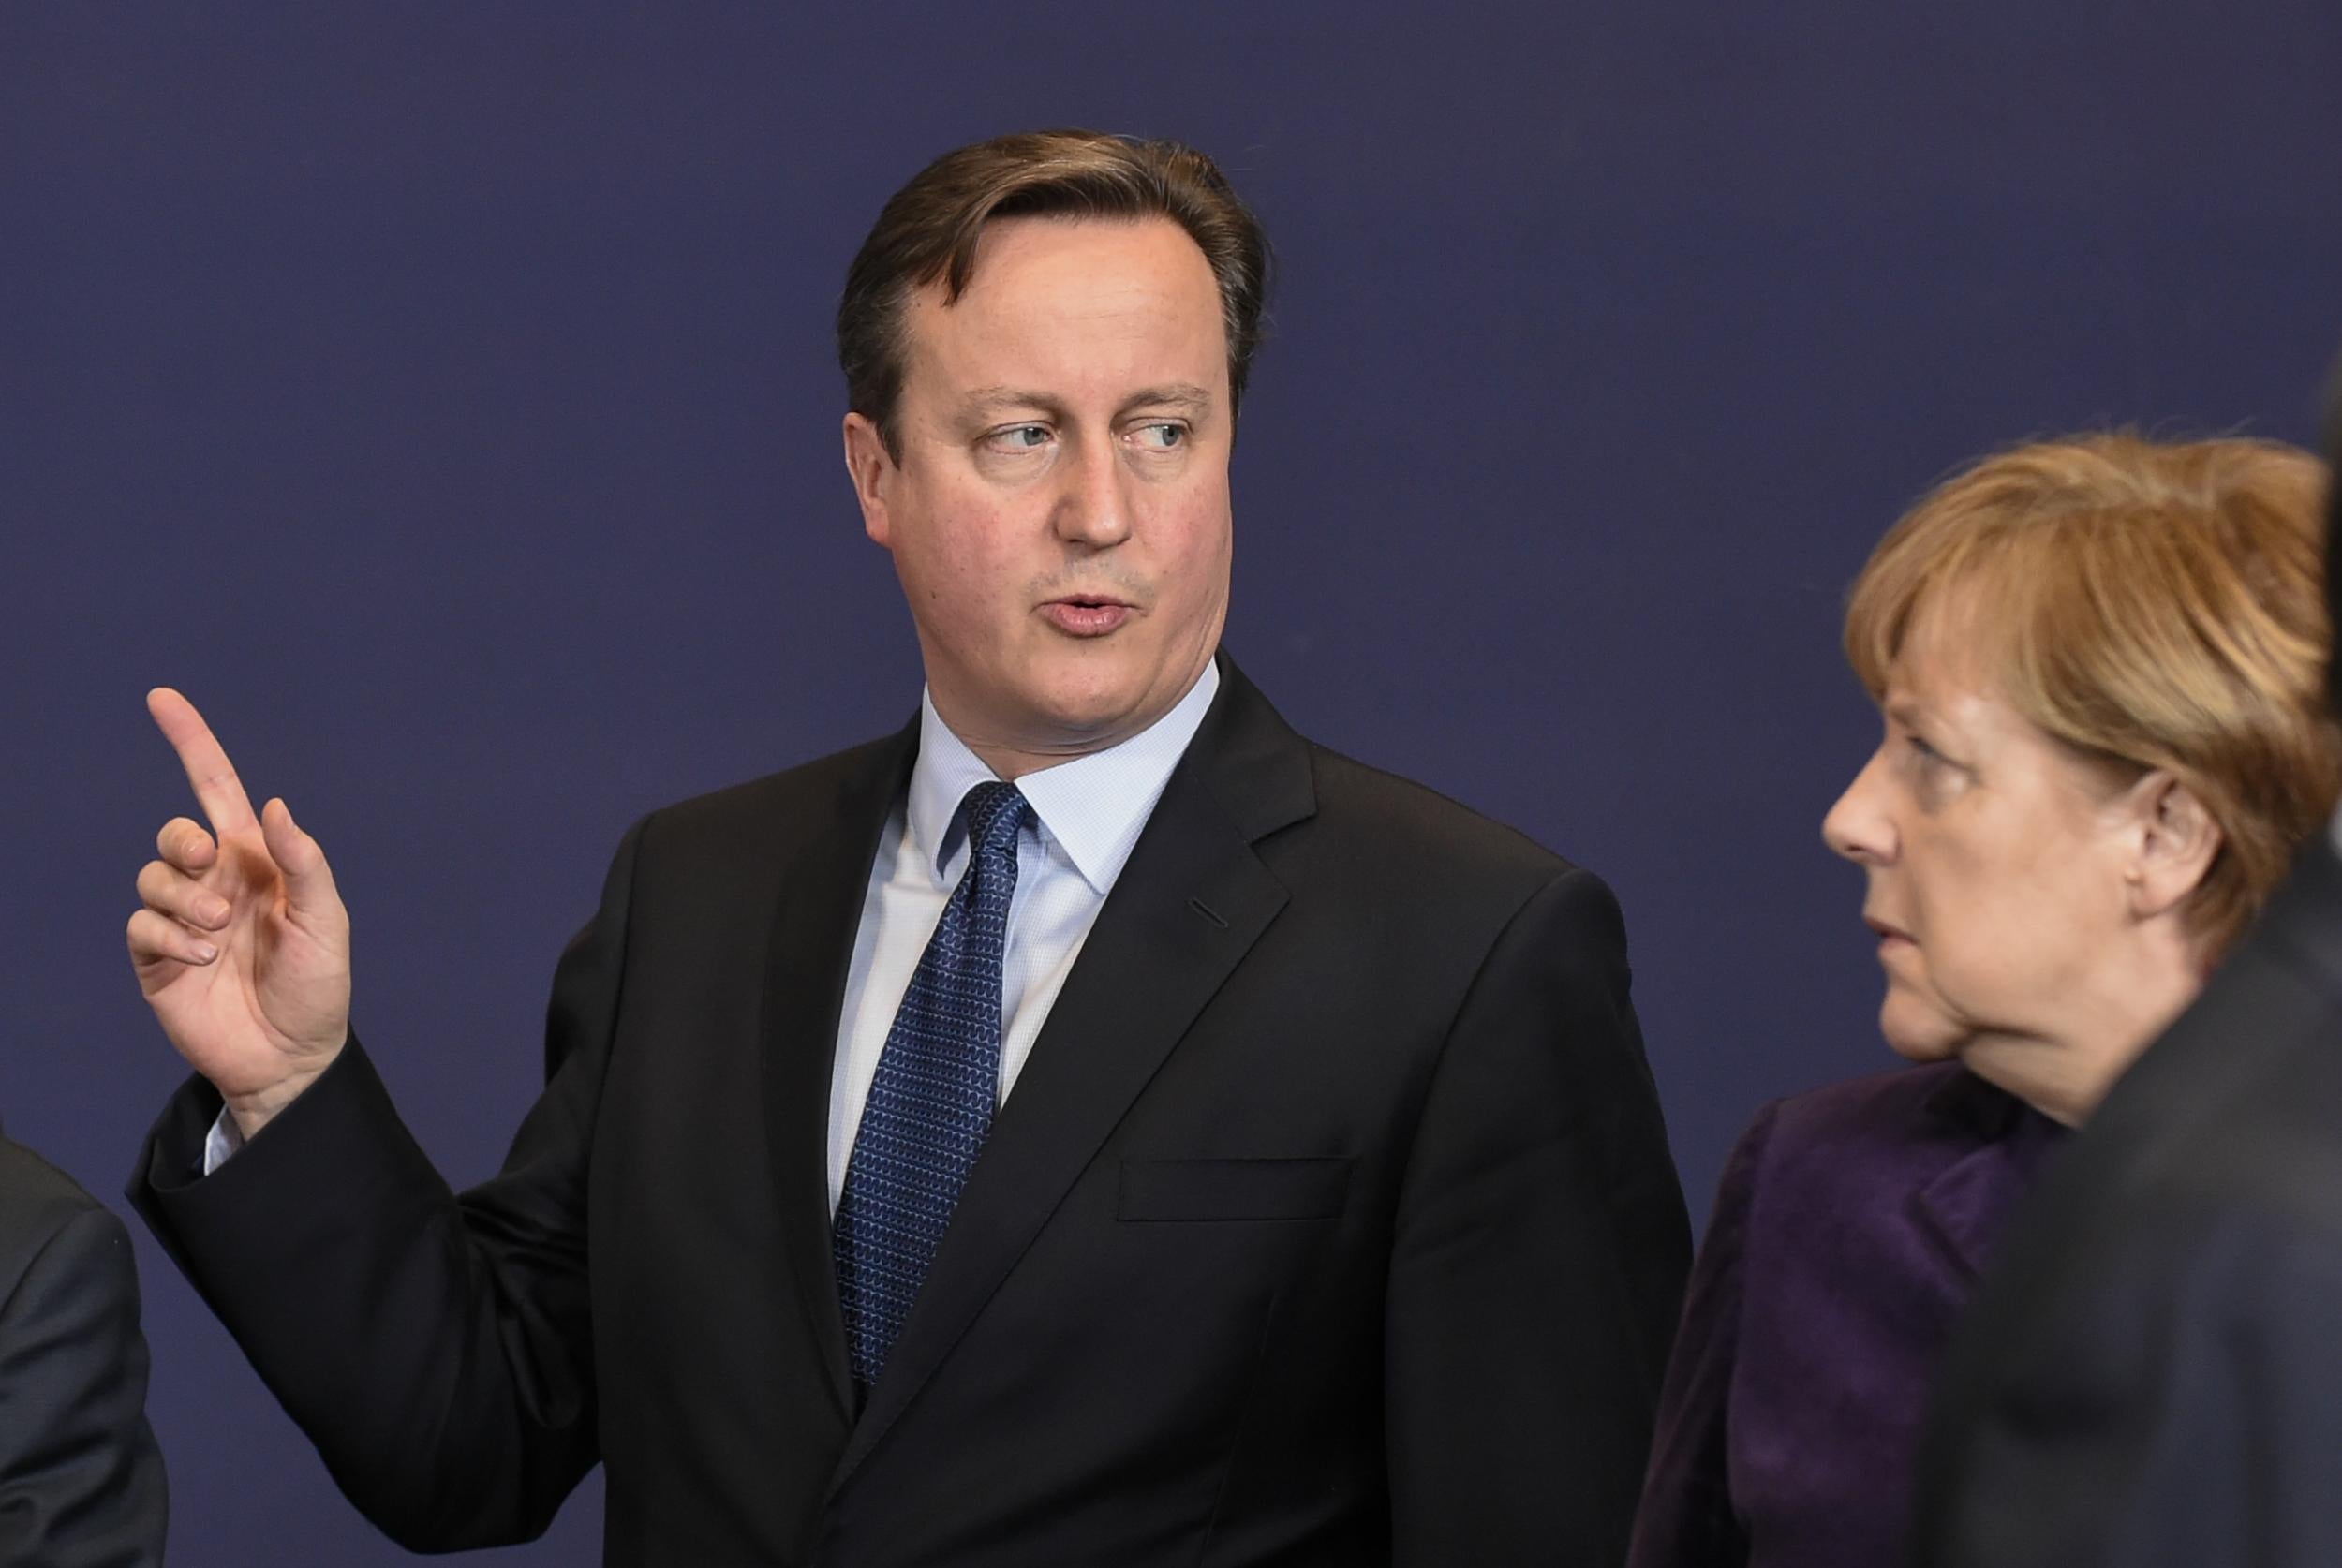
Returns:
point(2152, 605)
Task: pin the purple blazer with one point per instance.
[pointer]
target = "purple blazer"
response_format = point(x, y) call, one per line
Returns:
point(1847, 1233)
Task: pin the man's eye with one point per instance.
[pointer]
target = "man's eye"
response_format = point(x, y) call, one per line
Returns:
point(1019, 438)
point(1161, 436)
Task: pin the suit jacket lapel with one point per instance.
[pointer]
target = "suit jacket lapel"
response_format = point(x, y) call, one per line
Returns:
point(813, 946)
point(1187, 908)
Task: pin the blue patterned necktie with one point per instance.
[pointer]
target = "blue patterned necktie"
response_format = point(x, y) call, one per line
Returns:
point(931, 1102)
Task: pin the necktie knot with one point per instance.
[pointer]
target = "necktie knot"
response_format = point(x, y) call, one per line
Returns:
point(995, 813)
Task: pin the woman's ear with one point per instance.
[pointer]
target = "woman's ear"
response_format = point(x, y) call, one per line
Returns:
point(2174, 841)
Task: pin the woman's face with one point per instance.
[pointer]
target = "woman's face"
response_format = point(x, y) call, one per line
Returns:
point(2001, 878)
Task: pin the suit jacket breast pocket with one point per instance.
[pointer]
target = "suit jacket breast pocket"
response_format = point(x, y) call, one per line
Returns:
point(1156, 1189)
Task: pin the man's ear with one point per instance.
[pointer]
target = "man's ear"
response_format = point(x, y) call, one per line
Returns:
point(872, 469)
point(2175, 841)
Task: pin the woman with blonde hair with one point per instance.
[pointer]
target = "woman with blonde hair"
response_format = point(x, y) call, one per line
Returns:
point(2101, 664)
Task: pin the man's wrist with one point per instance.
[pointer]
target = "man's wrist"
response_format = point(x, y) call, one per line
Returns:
point(253, 1111)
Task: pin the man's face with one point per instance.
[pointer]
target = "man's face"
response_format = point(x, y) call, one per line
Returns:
point(1059, 513)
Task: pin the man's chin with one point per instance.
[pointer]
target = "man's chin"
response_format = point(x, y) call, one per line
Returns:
point(1094, 721)
point(1095, 703)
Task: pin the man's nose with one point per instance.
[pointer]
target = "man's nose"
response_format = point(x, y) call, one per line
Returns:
point(1094, 507)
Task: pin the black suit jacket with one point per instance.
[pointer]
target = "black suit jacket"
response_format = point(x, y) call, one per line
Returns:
point(2152, 1375)
point(1331, 1221)
point(81, 1480)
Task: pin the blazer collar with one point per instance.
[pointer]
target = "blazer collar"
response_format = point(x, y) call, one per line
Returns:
point(1187, 908)
point(1967, 1202)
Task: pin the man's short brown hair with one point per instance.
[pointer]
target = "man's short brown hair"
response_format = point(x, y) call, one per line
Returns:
point(929, 230)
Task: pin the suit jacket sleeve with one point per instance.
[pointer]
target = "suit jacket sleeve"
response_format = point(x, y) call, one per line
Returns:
point(81, 1480)
point(1687, 1520)
point(437, 1350)
point(1538, 1258)
point(2180, 1406)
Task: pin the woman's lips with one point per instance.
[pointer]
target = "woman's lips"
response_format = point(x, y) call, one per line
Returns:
point(1078, 617)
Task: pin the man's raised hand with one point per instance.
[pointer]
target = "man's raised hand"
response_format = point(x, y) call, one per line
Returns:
point(242, 945)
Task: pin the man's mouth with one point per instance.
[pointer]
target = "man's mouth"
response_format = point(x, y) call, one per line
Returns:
point(1087, 615)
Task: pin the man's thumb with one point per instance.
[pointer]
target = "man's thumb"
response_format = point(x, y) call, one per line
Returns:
point(308, 881)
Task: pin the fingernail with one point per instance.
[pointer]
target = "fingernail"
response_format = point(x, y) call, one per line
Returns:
point(205, 953)
point(213, 911)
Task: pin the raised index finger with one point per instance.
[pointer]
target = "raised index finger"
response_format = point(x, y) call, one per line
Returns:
point(216, 787)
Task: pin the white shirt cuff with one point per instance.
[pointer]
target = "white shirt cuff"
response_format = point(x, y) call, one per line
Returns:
point(222, 1141)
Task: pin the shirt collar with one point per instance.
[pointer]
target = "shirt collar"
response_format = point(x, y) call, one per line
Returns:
point(1092, 807)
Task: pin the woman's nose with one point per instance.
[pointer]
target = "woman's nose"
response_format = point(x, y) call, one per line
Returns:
point(1859, 827)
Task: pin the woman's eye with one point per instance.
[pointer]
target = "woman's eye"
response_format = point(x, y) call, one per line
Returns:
point(1018, 438)
point(1930, 763)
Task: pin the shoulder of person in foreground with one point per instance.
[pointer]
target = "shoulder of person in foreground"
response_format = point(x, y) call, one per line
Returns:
point(81, 1479)
point(2155, 1380)
point(2183, 1406)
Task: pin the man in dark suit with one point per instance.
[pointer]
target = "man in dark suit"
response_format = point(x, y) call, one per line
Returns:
point(2150, 1375)
point(1092, 1125)
point(81, 1480)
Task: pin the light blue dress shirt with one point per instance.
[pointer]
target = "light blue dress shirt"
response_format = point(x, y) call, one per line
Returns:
point(1090, 812)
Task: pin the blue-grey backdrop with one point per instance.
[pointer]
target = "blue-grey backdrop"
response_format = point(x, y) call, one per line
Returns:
point(442, 395)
